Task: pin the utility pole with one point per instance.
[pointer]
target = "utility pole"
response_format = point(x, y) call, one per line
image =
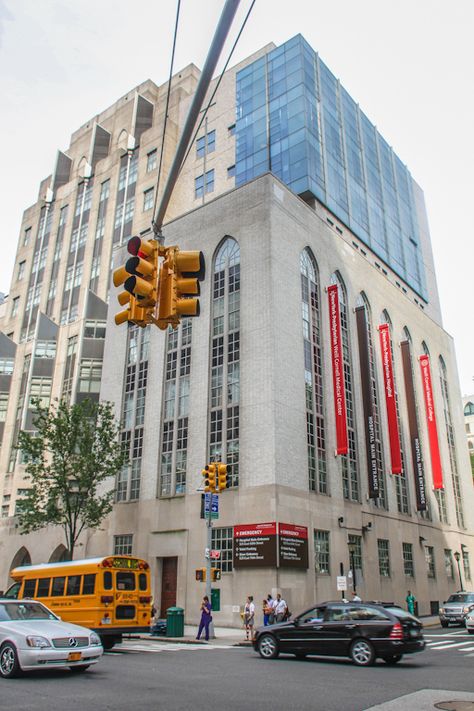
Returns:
point(208, 561)
point(222, 30)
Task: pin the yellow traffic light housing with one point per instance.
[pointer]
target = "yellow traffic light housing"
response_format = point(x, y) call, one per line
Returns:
point(201, 575)
point(205, 474)
point(139, 277)
point(223, 479)
point(180, 273)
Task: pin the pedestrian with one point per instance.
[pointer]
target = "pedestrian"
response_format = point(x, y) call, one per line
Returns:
point(249, 616)
point(206, 618)
point(271, 614)
point(410, 601)
point(267, 610)
point(355, 597)
point(280, 608)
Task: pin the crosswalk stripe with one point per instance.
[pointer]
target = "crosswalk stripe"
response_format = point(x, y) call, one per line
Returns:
point(433, 644)
point(466, 649)
point(451, 645)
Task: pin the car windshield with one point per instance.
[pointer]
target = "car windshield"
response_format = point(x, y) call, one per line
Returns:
point(24, 611)
point(461, 597)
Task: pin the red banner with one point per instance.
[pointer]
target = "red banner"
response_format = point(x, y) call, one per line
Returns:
point(337, 370)
point(431, 422)
point(390, 399)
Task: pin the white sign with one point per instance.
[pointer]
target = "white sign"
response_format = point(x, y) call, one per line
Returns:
point(341, 582)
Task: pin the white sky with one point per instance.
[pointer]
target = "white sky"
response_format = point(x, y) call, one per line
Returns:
point(409, 64)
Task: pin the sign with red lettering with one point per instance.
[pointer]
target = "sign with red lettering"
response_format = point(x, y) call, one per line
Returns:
point(337, 370)
point(431, 422)
point(293, 546)
point(255, 545)
point(390, 399)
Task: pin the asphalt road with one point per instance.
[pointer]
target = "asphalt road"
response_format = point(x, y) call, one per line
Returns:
point(152, 676)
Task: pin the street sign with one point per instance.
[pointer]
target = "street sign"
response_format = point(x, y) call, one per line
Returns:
point(215, 555)
point(212, 501)
point(341, 582)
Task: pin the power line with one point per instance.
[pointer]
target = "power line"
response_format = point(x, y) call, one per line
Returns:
point(166, 111)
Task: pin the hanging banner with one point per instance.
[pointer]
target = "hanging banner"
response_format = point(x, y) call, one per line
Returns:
point(431, 422)
point(367, 404)
point(417, 459)
point(390, 399)
point(337, 371)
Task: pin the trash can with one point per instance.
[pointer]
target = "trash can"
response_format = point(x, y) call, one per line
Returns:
point(174, 622)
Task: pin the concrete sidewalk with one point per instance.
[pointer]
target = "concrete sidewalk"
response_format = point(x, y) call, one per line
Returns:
point(235, 636)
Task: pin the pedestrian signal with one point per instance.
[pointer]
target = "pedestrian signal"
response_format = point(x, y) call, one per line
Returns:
point(201, 575)
point(215, 574)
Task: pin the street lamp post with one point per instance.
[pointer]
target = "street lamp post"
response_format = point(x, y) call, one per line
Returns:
point(457, 555)
point(352, 548)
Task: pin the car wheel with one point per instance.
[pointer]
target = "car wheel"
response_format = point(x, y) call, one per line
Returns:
point(79, 670)
point(362, 652)
point(267, 646)
point(107, 642)
point(9, 664)
point(392, 660)
point(444, 624)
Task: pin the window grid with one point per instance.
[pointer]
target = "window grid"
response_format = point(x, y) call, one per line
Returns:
point(451, 445)
point(356, 556)
point(223, 541)
point(315, 432)
point(449, 563)
point(321, 552)
point(466, 564)
point(383, 547)
point(430, 561)
point(408, 565)
point(123, 544)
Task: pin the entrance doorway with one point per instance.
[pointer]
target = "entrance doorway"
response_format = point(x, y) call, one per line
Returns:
point(169, 582)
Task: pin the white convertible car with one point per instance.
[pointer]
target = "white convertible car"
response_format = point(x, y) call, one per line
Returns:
point(33, 637)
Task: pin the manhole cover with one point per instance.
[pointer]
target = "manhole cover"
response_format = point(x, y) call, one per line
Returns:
point(457, 705)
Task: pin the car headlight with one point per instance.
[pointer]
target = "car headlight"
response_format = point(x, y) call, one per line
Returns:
point(441, 610)
point(467, 609)
point(95, 639)
point(38, 642)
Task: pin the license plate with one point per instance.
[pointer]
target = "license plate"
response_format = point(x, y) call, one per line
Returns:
point(414, 633)
point(106, 621)
point(74, 656)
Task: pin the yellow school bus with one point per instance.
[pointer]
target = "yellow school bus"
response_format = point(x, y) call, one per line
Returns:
point(110, 595)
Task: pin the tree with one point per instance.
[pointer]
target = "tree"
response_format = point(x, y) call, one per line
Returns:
point(72, 451)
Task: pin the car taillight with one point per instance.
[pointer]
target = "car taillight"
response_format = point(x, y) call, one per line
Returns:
point(397, 631)
point(106, 599)
point(145, 598)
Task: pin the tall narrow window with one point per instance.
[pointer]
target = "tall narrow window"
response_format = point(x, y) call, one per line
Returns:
point(443, 377)
point(174, 434)
point(382, 498)
point(315, 434)
point(225, 359)
point(350, 474)
point(133, 412)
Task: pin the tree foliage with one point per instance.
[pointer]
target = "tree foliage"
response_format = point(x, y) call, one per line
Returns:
point(69, 457)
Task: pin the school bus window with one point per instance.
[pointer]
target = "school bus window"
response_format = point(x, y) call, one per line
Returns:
point(30, 588)
point(57, 589)
point(88, 586)
point(107, 580)
point(125, 581)
point(73, 584)
point(43, 587)
point(142, 581)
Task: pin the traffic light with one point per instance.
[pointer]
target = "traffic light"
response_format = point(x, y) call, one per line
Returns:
point(223, 478)
point(201, 575)
point(215, 574)
point(211, 477)
point(180, 273)
point(139, 277)
point(205, 473)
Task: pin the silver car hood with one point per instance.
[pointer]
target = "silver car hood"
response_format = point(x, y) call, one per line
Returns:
point(45, 628)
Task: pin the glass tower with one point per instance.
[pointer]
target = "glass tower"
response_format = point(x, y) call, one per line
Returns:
point(296, 120)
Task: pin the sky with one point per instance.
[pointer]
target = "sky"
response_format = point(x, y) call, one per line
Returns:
point(409, 64)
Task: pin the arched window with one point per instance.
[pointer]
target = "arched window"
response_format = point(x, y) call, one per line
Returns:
point(350, 473)
point(59, 555)
point(22, 557)
point(401, 484)
point(315, 434)
point(443, 377)
point(225, 359)
point(382, 500)
point(469, 409)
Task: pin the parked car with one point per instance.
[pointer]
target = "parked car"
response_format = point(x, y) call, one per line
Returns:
point(469, 622)
point(456, 607)
point(361, 631)
point(33, 637)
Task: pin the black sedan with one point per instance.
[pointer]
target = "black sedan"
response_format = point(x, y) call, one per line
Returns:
point(361, 631)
